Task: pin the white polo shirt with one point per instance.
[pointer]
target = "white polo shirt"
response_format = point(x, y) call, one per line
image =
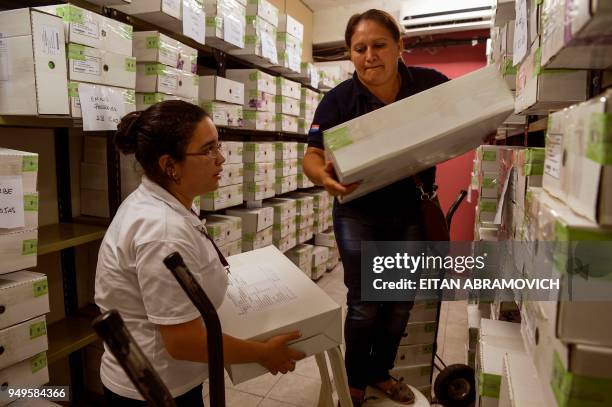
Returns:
point(132, 278)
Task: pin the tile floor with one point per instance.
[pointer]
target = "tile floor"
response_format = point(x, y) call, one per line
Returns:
point(301, 387)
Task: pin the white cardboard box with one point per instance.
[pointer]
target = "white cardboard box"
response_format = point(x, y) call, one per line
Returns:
point(287, 105)
point(259, 172)
point(253, 79)
point(259, 101)
point(18, 250)
point(451, 119)
point(569, 35)
point(34, 79)
point(520, 385)
point(286, 123)
point(316, 272)
point(319, 255)
point(283, 208)
point(145, 100)
point(254, 120)
point(225, 24)
point(255, 152)
point(286, 167)
point(222, 198)
point(286, 150)
point(23, 341)
point(253, 241)
point(304, 234)
point(219, 88)
point(304, 205)
point(93, 30)
point(20, 163)
point(231, 248)
point(232, 151)
point(128, 96)
point(163, 13)
point(152, 77)
point(284, 227)
point(31, 373)
point(305, 307)
point(287, 88)
point(304, 221)
point(232, 174)
point(153, 46)
point(257, 191)
point(290, 25)
point(285, 243)
point(286, 184)
point(253, 220)
point(301, 253)
point(259, 43)
point(223, 114)
point(327, 239)
point(538, 91)
point(24, 295)
point(231, 225)
point(188, 85)
point(86, 64)
point(304, 182)
point(263, 9)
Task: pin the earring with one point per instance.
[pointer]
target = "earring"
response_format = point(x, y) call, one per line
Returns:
point(171, 172)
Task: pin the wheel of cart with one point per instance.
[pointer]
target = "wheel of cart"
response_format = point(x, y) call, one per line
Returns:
point(455, 384)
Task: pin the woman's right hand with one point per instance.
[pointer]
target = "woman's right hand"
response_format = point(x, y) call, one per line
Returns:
point(333, 186)
point(277, 356)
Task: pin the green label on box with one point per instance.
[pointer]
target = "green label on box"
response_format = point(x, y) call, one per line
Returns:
point(126, 31)
point(30, 203)
point(254, 76)
point(154, 69)
point(76, 52)
point(489, 155)
point(338, 138)
point(486, 206)
point(251, 19)
point(214, 231)
point(250, 39)
point(152, 42)
point(38, 329)
point(213, 21)
point(489, 183)
point(38, 362)
point(70, 14)
point(130, 96)
point(29, 246)
point(489, 385)
point(73, 89)
point(574, 390)
point(430, 327)
point(252, 187)
point(211, 195)
point(248, 237)
point(535, 155)
point(508, 68)
point(533, 169)
point(30, 163)
point(130, 64)
point(599, 145)
point(537, 62)
point(40, 288)
point(250, 115)
point(152, 98)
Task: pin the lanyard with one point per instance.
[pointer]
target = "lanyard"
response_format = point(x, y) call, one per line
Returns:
point(222, 258)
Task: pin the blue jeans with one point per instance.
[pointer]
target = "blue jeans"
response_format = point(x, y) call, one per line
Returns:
point(372, 330)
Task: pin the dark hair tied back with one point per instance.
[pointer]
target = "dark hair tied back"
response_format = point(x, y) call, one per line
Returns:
point(126, 139)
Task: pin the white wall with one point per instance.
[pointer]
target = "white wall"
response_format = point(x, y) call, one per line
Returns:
point(329, 23)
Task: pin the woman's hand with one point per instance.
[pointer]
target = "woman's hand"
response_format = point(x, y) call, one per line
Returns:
point(277, 356)
point(334, 187)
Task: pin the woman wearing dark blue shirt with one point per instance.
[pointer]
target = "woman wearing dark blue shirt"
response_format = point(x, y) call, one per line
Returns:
point(372, 329)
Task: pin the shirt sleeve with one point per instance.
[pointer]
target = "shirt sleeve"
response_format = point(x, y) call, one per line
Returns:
point(326, 116)
point(164, 300)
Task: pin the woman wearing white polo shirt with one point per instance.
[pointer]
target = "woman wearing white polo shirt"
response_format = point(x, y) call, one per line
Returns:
point(177, 146)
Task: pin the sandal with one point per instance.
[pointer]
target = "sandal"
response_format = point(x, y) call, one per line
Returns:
point(399, 392)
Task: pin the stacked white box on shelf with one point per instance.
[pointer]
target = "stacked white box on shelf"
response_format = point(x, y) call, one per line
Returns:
point(577, 168)
point(24, 294)
point(225, 23)
point(287, 103)
point(309, 100)
point(259, 104)
point(259, 171)
point(259, 42)
point(155, 47)
point(331, 74)
point(301, 256)
point(289, 43)
point(99, 51)
point(304, 216)
point(233, 167)
point(19, 217)
point(328, 239)
point(286, 167)
point(320, 209)
point(256, 226)
point(520, 385)
point(320, 255)
point(568, 35)
point(308, 75)
point(169, 14)
point(284, 226)
point(33, 76)
point(302, 180)
point(222, 99)
point(540, 90)
point(226, 231)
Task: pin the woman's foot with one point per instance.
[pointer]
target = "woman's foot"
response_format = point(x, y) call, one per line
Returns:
point(396, 390)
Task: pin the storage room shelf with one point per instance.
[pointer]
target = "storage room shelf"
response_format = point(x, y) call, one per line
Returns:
point(38, 121)
point(59, 236)
point(69, 335)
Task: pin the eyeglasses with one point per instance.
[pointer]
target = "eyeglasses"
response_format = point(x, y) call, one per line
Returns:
point(212, 152)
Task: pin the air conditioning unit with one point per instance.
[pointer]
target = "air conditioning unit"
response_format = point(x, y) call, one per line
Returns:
point(420, 17)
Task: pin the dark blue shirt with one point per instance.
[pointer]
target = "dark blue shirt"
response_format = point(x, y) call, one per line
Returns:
point(352, 99)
